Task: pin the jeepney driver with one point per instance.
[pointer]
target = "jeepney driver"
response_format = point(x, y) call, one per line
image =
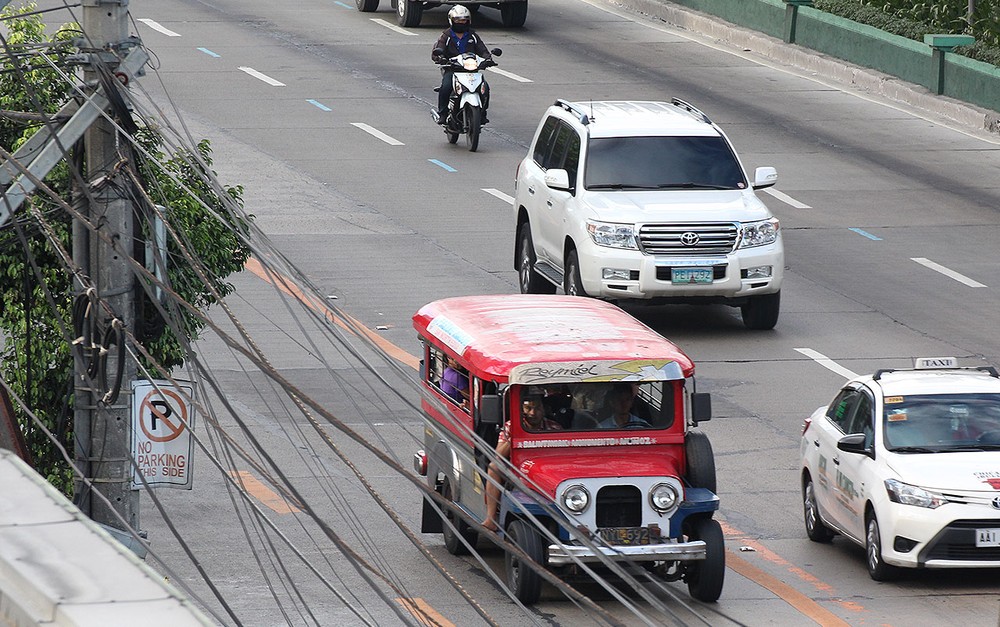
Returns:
point(619, 401)
point(533, 419)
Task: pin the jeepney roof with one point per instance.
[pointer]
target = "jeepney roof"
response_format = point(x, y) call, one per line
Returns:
point(529, 338)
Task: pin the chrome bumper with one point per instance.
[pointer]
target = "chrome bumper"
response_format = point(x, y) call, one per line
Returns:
point(563, 554)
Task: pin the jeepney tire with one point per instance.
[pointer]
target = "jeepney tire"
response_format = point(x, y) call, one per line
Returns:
point(761, 312)
point(529, 281)
point(700, 461)
point(705, 577)
point(815, 529)
point(452, 540)
point(523, 580)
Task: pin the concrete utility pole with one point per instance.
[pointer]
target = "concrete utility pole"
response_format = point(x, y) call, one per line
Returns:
point(103, 433)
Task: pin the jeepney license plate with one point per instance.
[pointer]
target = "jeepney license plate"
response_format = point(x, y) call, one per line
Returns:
point(987, 537)
point(625, 535)
point(691, 275)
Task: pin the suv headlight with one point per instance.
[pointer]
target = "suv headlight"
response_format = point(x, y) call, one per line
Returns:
point(907, 494)
point(612, 235)
point(663, 497)
point(576, 498)
point(759, 233)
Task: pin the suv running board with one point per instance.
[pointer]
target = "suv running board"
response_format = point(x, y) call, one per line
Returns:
point(551, 274)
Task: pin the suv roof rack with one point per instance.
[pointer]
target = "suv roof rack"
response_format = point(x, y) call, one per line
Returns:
point(677, 102)
point(584, 118)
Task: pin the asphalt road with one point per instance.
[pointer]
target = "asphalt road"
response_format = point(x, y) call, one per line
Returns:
point(386, 223)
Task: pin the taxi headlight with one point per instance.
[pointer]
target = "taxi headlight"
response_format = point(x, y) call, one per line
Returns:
point(759, 233)
point(612, 235)
point(576, 498)
point(663, 497)
point(907, 494)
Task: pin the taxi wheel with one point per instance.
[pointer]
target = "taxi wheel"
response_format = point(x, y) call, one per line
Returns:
point(815, 529)
point(705, 577)
point(523, 579)
point(452, 540)
point(878, 569)
point(700, 461)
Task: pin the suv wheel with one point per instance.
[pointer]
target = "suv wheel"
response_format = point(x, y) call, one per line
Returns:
point(761, 312)
point(513, 14)
point(528, 280)
point(572, 284)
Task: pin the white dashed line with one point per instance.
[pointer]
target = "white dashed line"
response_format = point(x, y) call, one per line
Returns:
point(785, 198)
point(510, 75)
point(502, 196)
point(392, 27)
point(260, 75)
point(377, 133)
point(158, 27)
point(951, 274)
point(827, 363)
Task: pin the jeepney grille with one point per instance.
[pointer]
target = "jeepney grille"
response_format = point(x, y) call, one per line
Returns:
point(619, 506)
point(958, 542)
point(714, 238)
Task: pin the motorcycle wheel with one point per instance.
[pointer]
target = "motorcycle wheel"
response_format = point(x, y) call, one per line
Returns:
point(473, 124)
point(452, 137)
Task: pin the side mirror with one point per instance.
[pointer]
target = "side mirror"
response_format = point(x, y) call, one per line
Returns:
point(764, 177)
point(557, 179)
point(496, 52)
point(701, 407)
point(853, 443)
point(489, 409)
point(439, 51)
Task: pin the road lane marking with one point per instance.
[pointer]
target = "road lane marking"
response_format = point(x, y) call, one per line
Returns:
point(510, 75)
point(260, 75)
point(263, 493)
point(866, 234)
point(377, 133)
point(951, 274)
point(382, 22)
point(785, 198)
point(827, 363)
point(424, 613)
point(442, 164)
point(342, 4)
point(319, 105)
point(210, 53)
point(158, 27)
point(502, 196)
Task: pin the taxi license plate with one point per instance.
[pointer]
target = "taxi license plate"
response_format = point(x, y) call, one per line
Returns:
point(987, 537)
point(625, 535)
point(691, 275)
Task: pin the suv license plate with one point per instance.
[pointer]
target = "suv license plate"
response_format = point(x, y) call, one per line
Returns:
point(691, 275)
point(987, 537)
point(625, 535)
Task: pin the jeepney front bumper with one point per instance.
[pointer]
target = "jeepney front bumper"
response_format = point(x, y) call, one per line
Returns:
point(563, 554)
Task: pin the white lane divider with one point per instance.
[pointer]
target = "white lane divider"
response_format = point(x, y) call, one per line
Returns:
point(261, 76)
point(826, 362)
point(951, 274)
point(502, 196)
point(510, 75)
point(785, 198)
point(158, 27)
point(392, 27)
point(377, 133)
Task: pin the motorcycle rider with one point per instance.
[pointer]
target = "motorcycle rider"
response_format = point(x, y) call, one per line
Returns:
point(456, 40)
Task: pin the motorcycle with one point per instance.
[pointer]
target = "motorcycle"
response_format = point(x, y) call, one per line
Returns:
point(465, 107)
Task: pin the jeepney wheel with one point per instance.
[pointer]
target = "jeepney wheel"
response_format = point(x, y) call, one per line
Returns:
point(700, 461)
point(522, 579)
point(452, 541)
point(815, 529)
point(705, 577)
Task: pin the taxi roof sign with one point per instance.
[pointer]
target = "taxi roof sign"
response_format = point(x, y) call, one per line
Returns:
point(931, 363)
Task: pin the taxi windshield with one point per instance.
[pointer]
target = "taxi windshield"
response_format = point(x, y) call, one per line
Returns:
point(598, 406)
point(942, 422)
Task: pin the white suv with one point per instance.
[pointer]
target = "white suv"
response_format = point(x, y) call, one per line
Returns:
point(646, 201)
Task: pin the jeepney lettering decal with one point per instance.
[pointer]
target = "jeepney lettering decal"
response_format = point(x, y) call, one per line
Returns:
point(450, 333)
point(597, 371)
point(620, 441)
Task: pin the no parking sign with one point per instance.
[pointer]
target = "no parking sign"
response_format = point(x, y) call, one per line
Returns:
point(162, 419)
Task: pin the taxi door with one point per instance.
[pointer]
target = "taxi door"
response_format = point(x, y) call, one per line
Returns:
point(833, 488)
point(854, 469)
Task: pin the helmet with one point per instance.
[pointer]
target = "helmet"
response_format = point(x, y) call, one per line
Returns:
point(459, 13)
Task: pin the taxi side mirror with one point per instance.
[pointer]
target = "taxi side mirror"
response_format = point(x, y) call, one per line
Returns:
point(701, 407)
point(853, 443)
point(489, 409)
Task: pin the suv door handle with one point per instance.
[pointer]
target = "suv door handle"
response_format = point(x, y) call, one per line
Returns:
point(548, 202)
point(836, 461)
point(531, 190)
point(816, 443)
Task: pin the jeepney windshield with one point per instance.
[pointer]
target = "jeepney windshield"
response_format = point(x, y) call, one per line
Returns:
point(598, 406)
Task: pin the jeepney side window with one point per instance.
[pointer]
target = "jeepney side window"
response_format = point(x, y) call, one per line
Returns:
point(450, 379)
point(655, 403)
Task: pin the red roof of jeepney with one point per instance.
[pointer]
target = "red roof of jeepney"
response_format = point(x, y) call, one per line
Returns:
point(500, 332)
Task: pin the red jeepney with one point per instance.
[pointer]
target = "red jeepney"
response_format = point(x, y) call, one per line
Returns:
point(615, 471)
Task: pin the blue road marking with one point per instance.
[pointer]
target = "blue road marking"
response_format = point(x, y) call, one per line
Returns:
point(443, 165)
point(866, 234)
point(319, 105)
point(209, 52)
point(346, 6)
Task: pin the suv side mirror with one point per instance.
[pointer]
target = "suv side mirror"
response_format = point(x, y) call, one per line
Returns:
point(701, 407)
point(489, 409)
point(496, 52)
point(557, 179)
point(764, 177)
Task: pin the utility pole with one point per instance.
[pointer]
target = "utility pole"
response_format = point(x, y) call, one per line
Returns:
point(103, 428)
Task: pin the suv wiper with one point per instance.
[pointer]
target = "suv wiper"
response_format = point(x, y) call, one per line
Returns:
point(621, 186)
point(691, 185)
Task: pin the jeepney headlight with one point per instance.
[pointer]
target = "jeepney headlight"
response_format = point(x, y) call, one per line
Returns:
point(663, 497)
point(612, 235)
point(907, 494)
point(759, 233)
point(576, 498)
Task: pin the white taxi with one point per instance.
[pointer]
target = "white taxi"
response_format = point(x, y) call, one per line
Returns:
point(906, 463)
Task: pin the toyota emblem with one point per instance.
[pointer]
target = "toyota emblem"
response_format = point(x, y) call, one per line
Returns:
point(690, 238)
point(996, 503)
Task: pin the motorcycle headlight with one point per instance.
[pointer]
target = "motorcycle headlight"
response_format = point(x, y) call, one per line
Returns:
point(612, 235)
point(663, 497)
point(470, 64)
point(759, 233)
point(907, 494)
point(576, 498)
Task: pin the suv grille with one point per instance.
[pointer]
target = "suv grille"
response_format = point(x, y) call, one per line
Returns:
point(619, 506)
point(669, 239)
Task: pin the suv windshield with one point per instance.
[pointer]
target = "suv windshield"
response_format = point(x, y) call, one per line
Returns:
point(942, 422)
point(597, 406)
point(662, 163)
